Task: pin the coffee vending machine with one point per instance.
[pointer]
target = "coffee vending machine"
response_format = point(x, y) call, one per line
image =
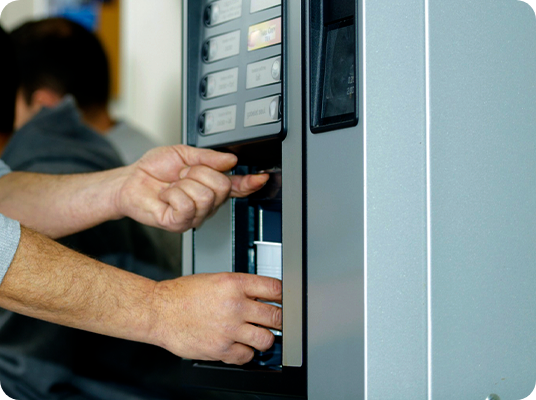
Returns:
point(400, 137)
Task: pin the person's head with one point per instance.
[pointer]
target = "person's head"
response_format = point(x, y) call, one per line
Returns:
point(57, 57)
point(8, 83)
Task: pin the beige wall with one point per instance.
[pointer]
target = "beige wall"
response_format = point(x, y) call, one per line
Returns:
point(19, 11)
point(151, 37)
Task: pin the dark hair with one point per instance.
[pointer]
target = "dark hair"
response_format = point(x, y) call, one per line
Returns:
point(8, 83)
point(63, 56)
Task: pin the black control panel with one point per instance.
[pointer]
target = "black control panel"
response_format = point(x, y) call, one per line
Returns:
point(234, 71)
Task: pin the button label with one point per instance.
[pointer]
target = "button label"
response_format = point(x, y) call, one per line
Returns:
point(262, 111)
point(265, 34)
point(219, 83)
point(259, 5)
point(218, 120)
point(222, 46)
point(262, 73)
point(222, 11)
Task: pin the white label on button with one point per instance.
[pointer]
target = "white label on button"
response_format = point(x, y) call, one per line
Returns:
point(262, 111)
point(224, 46)
point(221, 83)
point(224, 10)
point(259, 5)
point(265, 72)
point(220, 120)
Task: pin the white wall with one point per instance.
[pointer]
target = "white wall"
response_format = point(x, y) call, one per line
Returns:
point(17, 12)
point(151, 38)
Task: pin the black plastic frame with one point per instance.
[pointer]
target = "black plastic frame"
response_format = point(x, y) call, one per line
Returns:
point(322, 21)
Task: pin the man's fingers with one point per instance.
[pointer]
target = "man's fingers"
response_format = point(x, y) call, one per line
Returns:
point(243, 186)
point(202, 196)
point(258, 338)
point(263, 314)
point(219, 183)
point(261, 287)
point(238, 354)
point(240, 185)
point(199, 192)
point(213, 159)
point(182, 211)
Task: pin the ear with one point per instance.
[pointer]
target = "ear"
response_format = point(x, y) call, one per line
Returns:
point(45, 98)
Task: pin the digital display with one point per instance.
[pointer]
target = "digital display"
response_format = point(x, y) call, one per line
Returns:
point(339, 80)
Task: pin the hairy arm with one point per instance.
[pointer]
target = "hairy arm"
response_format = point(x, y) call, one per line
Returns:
point(173, 188)
point(209, 317)
point(59, 205)
point(51, 282)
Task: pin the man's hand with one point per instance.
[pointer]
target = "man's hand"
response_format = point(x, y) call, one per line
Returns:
point(215, 316)
point(178, 187)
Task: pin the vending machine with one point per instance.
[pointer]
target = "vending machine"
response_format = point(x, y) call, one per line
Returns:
point(400, 139)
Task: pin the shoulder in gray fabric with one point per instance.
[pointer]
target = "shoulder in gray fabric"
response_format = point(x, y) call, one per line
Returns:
point(57, 138)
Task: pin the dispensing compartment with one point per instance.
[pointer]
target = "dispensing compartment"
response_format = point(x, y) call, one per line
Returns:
point(246, 236)
point(257, 236)
point(333, 58)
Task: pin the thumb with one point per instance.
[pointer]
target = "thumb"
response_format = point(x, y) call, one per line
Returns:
point(210, 158)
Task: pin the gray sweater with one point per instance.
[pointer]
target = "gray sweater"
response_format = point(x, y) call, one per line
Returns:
point(9, 234)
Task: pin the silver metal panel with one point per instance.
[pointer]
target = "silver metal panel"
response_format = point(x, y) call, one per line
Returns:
point(213, 243)
point(335, 266)
point(395, 200)
point(483, 198)
point(292, 196)
point(335, 260)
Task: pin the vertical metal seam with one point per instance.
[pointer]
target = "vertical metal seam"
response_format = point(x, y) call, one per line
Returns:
point(365, 191)
point(187, 261)
point(428, 200)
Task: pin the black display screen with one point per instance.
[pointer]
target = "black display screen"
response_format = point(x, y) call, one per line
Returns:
point(334, 105)
point(339, 75)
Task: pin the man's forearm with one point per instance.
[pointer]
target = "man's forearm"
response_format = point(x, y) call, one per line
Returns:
point(59, 205)
point(50, 282)
point(205, 316)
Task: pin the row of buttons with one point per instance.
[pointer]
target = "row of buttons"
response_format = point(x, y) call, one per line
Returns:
point(259, 73)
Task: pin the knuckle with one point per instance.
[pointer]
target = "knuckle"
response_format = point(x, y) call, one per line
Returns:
point(238, 355)
point(222, 347)
point(186, 207)
point(226, 185)
point(263, 339)
point(206, 198)
point(229, 279)
point(277, 317)
point(244, 357)
point(248, 356)
point(276, 287)
point(223, 186)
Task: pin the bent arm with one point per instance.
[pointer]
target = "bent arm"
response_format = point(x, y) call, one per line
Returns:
point(173, 188)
